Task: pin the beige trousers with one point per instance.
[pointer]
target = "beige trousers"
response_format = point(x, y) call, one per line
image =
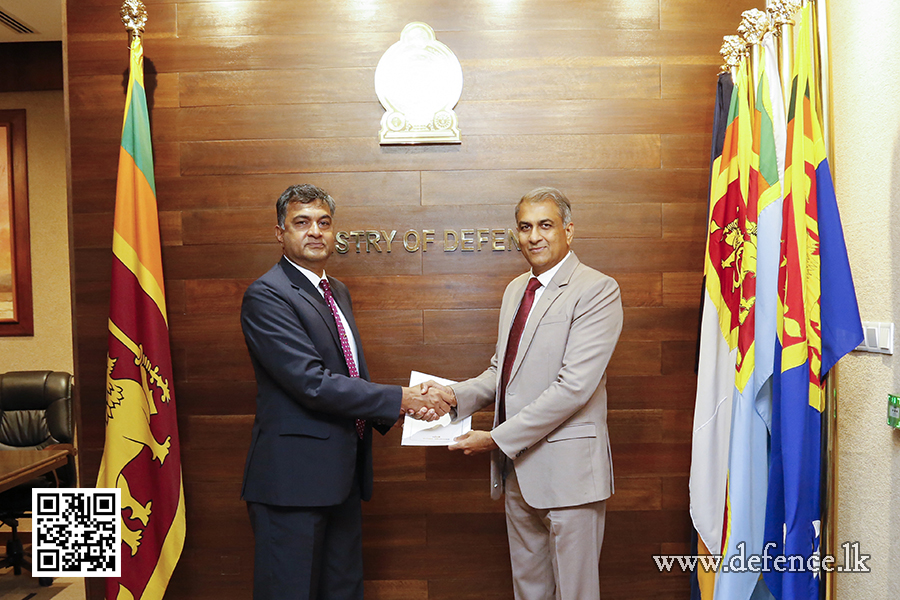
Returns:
point(555, 552)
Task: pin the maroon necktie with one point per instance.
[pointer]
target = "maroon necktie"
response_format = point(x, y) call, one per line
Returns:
point(512, 345)
point(345, 344)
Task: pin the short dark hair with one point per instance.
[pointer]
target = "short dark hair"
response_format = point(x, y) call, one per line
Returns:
point(305, 194)
point(543, 194)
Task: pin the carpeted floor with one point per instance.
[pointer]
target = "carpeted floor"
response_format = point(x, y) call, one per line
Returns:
point(25, 587)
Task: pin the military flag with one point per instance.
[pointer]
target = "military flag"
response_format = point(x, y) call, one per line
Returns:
point(141, 455)
point(748, 460)
point(818, 322)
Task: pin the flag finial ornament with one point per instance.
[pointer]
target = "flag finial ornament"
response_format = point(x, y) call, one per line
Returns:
point(754, 25)
point(134, 16)
point(733, 50)
point(782, 11)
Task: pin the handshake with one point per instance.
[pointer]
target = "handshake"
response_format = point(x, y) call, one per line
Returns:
point(427, 401)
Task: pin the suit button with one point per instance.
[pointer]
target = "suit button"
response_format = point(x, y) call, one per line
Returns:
point(496, 485)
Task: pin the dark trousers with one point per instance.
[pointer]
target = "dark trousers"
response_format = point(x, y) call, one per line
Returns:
point(308, 553)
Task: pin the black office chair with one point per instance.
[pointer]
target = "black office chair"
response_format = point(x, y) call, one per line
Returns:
point(35, 412)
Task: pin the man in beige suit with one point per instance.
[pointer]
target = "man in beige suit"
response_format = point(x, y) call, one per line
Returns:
point(549, 441)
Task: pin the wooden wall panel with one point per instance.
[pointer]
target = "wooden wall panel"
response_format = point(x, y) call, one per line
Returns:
point(354, 50)
point(682, 289)
point(610, 101)
point(107, 91)
point(590, 186)
point(268, 17)
point(650, 390)
point(678, 14)
point(524, 80)
point(347, 119)
point(686, 81)
point(683, 151)
point(364, 154)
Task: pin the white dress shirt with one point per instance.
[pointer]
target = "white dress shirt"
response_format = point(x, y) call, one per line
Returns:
point(315, 279)
point(545, 278)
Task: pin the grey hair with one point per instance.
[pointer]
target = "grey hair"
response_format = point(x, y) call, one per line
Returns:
point(304, 194)
point(543, 194)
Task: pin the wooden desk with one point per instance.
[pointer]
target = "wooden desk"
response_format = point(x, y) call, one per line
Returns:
point(19, 466)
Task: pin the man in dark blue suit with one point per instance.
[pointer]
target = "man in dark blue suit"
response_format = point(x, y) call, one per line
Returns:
point(310, 458)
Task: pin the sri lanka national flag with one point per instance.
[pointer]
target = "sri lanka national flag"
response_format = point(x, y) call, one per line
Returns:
point(818, 322)
point(141, 456)
point(748, 459)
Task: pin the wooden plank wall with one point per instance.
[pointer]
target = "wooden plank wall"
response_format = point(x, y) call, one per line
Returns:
point(609, 100)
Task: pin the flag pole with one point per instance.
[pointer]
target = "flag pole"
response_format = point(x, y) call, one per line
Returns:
point(782, 14)
point(830, 454)
point(821, 47)
point(754, 25)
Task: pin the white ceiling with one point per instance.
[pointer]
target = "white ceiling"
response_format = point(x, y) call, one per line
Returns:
point(43, 16)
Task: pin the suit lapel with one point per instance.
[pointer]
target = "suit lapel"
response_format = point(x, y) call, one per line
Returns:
point(508, 313)
point(556, 287)
point(308, 292)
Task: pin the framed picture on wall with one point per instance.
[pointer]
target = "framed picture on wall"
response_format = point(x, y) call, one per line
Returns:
point(16, 308)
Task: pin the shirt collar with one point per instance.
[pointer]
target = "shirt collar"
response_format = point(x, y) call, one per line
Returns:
point(313, 278)
point(547, 275)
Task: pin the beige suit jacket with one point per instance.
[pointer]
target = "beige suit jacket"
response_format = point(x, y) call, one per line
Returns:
point(555, 432)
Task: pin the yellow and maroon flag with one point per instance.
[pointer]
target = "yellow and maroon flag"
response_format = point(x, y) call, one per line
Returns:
point(752, 405)
point(141, 456)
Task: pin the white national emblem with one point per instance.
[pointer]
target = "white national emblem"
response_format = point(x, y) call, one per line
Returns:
point(418, 82)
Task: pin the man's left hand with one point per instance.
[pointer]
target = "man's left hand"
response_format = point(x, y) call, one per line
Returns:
point(474, 442)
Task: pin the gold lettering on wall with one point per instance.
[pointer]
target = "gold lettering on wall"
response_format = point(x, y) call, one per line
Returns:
point(373, 237)
point(357, 236)
point(497, 239)
point(450, 244)
point(482, 236)
point(341, 239)
point(388, 238)
point(513, 239)
point(426, 239)
point(411, 246)
point(467, 237)
point(415, 240)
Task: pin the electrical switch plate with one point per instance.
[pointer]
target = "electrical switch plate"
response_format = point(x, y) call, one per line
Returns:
point(878, 337)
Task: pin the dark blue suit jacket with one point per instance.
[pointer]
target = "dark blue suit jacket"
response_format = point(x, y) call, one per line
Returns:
point(305, 448)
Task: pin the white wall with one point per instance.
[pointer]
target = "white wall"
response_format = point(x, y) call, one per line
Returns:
point(866, 88)
point(51, 345)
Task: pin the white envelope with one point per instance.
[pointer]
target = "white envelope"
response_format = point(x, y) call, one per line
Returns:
point(432, 433)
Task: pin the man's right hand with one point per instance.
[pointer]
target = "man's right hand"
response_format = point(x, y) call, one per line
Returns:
point(445, 392)
point(424, 403)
